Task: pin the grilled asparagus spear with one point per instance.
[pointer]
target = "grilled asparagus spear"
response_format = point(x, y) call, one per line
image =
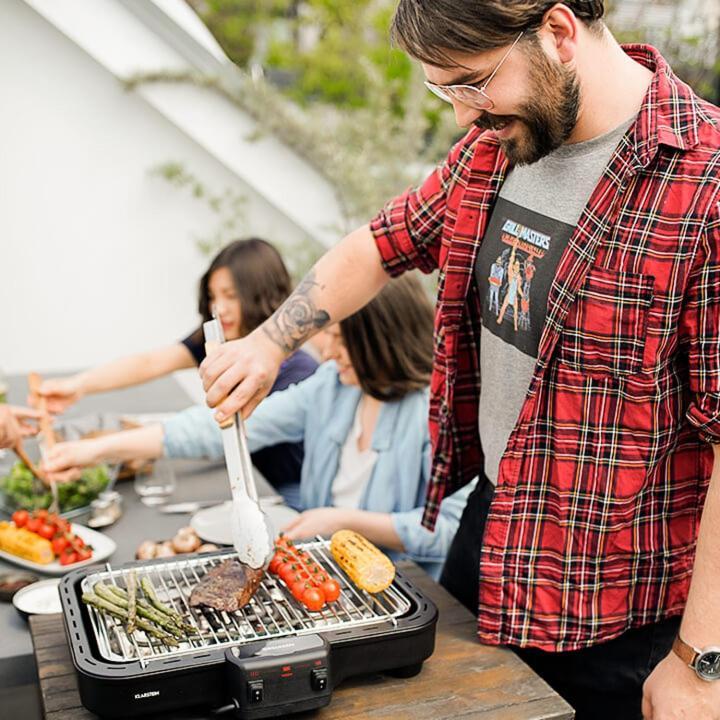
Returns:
point(118, 612)
point(143, 610)
point(132, 601)
point(150, 594)
point(158, 606)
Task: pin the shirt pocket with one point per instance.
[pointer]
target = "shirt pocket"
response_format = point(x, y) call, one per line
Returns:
point(605, 329)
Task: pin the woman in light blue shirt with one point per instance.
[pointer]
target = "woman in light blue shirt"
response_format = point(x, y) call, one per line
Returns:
point(363, 420)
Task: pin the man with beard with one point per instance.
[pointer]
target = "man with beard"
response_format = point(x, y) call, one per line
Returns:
point(592, 542)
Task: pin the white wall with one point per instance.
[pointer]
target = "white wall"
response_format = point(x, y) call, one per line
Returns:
point(97, 257)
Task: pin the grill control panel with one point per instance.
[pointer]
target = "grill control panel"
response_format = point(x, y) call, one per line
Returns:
point(275, 677)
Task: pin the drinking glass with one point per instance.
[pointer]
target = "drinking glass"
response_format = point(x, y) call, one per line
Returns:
point(156, 483)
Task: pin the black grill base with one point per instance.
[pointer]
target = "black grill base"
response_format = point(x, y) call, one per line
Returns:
point(125, 690)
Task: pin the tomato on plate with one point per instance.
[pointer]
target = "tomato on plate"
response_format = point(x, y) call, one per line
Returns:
point(59, 544)
point(33, 524)
point(313, 599)
point(68, 557)
point(83, 554)
point(46, 531)
point(20, 518)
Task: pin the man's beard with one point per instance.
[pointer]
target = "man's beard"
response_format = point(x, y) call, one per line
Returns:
point(549, 120)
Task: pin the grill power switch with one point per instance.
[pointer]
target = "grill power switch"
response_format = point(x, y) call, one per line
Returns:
point(255, 691)
point(319, 679)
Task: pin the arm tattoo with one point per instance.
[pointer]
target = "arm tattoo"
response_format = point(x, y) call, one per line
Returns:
point(297, 318)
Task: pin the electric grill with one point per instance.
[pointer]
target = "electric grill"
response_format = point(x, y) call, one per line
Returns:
point(271, 658)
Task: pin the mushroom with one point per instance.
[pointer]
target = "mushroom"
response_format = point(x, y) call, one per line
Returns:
point(185, 541)
point(147, 550)
point(207, 547)
point(165, 549)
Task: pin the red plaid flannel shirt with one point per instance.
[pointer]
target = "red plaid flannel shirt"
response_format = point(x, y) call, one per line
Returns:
point(594, 522)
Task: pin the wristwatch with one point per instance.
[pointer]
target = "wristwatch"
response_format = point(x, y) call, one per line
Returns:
point(705, 662)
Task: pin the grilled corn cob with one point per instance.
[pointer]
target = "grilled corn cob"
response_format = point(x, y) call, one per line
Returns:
point(25, 544)
point(364, 564)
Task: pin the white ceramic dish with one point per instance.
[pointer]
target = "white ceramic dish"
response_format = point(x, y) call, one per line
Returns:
point(40, 598)
point(213, 524)
point(103, 547)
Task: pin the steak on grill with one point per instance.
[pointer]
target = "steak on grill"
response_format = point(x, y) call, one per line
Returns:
point(229, 586)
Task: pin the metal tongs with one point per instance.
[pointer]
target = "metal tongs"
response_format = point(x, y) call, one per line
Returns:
point(251, 532)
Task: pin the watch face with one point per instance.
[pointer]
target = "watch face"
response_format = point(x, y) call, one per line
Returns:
point(708, 664)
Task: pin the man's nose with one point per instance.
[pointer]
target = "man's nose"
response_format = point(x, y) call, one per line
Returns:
point(465, 115)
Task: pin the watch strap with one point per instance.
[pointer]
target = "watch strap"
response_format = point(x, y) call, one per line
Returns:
point(687, 653)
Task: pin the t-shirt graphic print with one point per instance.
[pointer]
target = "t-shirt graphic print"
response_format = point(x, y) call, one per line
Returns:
point(515, 268)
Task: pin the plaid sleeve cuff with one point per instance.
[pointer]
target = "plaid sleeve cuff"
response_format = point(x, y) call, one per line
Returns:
point(704, 415)
point(398, 251)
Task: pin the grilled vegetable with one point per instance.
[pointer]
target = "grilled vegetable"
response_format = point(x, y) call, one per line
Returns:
point(143, 609)
point(132, 601)
point(150, 594)
point(364, 564)
point(25, 544)
point(155, 605)
point(111, 609)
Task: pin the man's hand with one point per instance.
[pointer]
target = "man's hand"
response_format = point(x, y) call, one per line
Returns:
point(674, 692)
point(240, 373)
point(319, 521)
point(65, 461)
point(14, 425)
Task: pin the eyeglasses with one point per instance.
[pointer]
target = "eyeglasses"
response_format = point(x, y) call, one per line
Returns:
point(470, 95)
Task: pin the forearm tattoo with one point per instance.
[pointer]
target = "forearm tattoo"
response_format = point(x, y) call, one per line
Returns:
point(297, 318)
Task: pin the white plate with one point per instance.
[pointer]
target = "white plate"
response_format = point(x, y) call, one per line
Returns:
point(213, 524)
point(39, 598)
point(103, 547)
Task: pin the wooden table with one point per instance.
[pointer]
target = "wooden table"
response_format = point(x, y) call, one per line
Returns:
point(462, 679)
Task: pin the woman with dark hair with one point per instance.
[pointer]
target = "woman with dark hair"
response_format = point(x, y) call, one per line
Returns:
point(244, 284)
point(363, 419)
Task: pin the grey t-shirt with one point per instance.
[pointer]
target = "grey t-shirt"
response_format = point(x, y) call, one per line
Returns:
point(536, 213)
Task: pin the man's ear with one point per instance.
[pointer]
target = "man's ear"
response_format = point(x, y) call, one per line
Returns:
point(560, 30)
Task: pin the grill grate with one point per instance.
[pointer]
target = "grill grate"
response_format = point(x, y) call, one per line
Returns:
point(272, 612)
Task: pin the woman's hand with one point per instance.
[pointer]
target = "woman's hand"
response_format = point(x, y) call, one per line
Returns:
point(318, 521)
point(14, 425)
point(65, 461)
point(61, 393)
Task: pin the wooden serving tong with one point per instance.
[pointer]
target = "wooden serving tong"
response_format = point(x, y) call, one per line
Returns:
point(40, 401)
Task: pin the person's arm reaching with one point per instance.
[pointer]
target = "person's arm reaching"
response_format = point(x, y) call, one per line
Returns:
point(240, 373)
point(65, 461)
point(61, 393)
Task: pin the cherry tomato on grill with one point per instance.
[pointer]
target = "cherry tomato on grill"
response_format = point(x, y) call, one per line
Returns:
point(331, 590)
point(286, 570)
point(275, 563)
point(40, 514)
point(20, 517)
point(298, 589)
point(313, 599)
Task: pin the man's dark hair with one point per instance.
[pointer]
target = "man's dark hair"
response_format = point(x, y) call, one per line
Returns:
point(261, 280)
point(390, 340)
point(429, 29)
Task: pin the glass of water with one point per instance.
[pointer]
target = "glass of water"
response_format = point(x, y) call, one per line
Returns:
point(156, 483)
